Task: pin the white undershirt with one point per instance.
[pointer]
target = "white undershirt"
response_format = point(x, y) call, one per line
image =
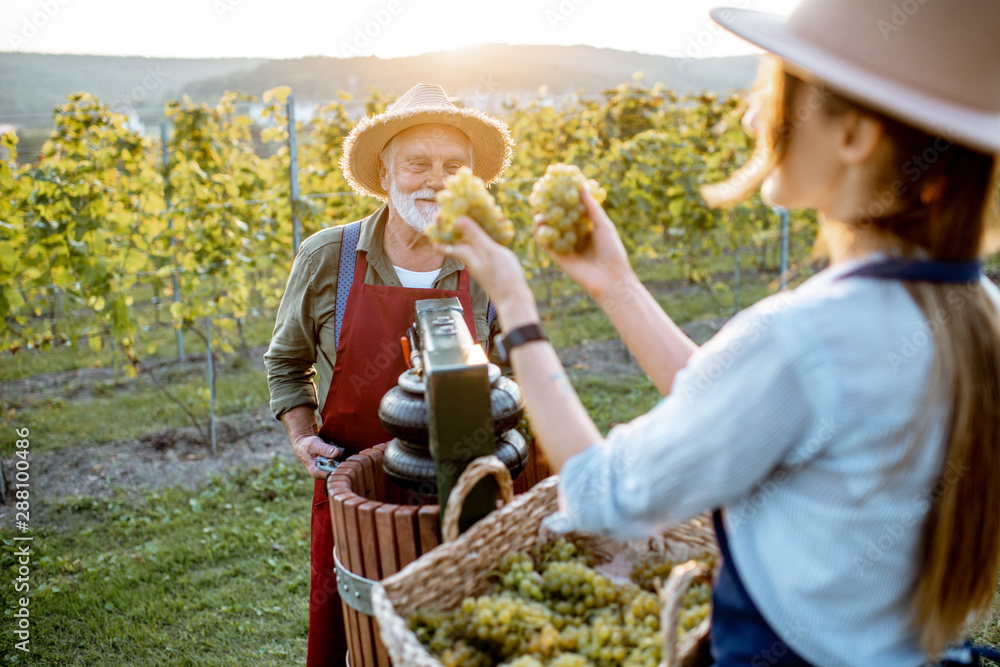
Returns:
point(421, 279)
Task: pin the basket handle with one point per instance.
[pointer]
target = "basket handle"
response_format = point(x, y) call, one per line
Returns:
point(476, 471)
point(671, 595)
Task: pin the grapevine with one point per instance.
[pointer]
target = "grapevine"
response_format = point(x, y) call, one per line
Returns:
point(87, 233)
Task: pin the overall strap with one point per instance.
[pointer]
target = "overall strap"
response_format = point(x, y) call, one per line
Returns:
point(921, 269)
point(491, 314)
point(491, 317)
point(739, 631)
point(345, 273)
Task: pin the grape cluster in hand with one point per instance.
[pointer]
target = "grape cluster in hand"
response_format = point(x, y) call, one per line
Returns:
point(465, 194)
point(556, 195)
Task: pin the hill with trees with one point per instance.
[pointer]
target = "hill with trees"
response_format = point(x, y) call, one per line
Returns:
point(33, 84)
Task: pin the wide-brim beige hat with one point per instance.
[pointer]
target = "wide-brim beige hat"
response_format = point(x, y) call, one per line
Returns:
point(424, 103)
point(932, 63)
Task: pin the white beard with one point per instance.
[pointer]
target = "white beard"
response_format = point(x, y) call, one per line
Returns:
point(416, 216)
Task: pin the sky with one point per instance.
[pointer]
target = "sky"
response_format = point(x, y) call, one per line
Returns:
point(347, 28)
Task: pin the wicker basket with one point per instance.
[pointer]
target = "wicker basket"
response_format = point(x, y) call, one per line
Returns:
point(461, 567)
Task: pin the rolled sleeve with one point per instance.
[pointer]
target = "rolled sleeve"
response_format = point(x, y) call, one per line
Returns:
point(736, 412)
point(290, 357)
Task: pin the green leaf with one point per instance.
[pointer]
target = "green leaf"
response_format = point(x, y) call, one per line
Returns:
point(279, 94)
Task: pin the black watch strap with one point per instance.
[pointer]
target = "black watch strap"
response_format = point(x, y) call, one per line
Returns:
point(522, 335)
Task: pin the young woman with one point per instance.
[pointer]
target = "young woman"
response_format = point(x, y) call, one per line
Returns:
point(848, 431)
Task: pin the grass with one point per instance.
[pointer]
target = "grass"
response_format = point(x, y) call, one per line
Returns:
point(214, 577)
point(614, 399)
point(159, 343)
point(129, 410)
point(217, 576)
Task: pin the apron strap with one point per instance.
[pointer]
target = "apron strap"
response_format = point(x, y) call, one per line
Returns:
point(739, 631)
point(345, 278)
point(345, 272)
point(925, 270)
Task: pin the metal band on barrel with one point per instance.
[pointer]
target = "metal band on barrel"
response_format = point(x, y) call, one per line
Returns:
point(355, 590)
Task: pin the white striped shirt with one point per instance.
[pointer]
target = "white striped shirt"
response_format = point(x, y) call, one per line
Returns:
point(793, 418)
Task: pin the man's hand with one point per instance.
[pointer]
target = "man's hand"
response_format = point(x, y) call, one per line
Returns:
point(300, 423)
point(307, 448)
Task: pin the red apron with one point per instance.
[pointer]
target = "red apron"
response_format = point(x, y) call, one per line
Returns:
point(369, 362)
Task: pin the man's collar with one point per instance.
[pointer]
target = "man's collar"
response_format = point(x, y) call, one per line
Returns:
point(370, 240)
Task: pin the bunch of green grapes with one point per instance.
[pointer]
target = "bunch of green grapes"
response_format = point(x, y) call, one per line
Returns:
point(647, 571)
point(525, 661)
point(642, 611)
point(696, 606)
point(516, 573)
point(575, 588)
point(561, 550)
point(556, 195)
point(463, 655)
point(499, 626)
point(524, 427)
point(439, 631)
point(552, 609)
point(465, 194)
point(561, 660)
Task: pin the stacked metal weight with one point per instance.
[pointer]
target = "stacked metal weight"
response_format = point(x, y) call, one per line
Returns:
point(403, 412)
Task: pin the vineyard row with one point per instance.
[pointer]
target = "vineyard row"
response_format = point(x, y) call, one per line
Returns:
point(204, 219)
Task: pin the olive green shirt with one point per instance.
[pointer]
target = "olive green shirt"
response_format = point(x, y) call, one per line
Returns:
point(303, 348)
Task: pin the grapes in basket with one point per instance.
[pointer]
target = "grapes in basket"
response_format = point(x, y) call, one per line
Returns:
point(550, 607)
point(465, 194)
point(556, 195)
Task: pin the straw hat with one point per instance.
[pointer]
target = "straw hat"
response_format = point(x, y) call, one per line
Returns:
point(932, 63)
point(424, 103)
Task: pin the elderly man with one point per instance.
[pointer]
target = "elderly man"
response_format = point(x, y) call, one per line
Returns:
point(351, 296)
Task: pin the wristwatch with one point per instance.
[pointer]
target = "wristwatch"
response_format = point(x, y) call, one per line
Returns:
point(520, 336)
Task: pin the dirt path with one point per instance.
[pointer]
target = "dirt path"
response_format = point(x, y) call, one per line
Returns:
point(168, 458)
point(83, 383)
